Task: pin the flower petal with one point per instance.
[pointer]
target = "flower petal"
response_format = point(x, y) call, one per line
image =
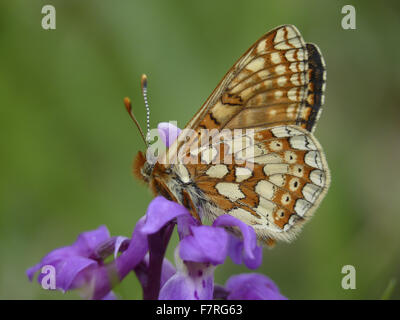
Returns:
point(168, 132)
point(235, 249)
point(192, 281)
point(184, 224)
point(167, 271)
point(181, 286)
point(89, 240)
point(32, 270)
point(251, 253)
point(160, 212)
point(178, 287)
point(206, 244)
point(120, 243)
point(134, 254)
point(84, 247)
point(110, 296)
point(67, 272)
point(252, 286)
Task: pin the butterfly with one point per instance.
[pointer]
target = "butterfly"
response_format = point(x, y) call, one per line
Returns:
point(268, 103)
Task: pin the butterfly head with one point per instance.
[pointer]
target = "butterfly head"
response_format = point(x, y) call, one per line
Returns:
point(142, 169)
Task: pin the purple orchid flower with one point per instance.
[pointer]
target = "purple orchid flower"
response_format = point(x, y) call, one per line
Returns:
point(81, 263)
point(200, 250)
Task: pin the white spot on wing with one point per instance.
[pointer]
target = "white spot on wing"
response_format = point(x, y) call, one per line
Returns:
point(278, 94)
point(242, 215)
point(276, 168)
point(290, 55)
point(295, 79)
point(286, 198)
point(311, 192)
point(297, 170)
point(291, 32)
point(230, 190)
point(285, 131)
point(261, 46)
point(278, 179)
point(265, 207)
point(301, 207)
point(292, 94)
point(281, 81)
point(256, 64)
point(290, 156)
point(275, 145)
point(280, 69)
point(280, 35)
point(217, 171)
point(265, 189)
point(268, 158)
point(318, 177)
point(275, 57)
point(302, 143)
point(282, 46)
point(295, 42)
point(293, 219)
point(242, 174)
point(313, 159)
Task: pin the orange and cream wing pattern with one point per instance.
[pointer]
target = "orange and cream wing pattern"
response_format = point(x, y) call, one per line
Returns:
point(270, 101)
point(274, 183)
point(275, 84)
point(278, 80)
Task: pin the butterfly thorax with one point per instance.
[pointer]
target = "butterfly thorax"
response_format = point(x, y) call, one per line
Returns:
point(174, 182)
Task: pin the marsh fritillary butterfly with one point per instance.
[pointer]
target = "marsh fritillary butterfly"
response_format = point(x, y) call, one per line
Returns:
point(267, 104)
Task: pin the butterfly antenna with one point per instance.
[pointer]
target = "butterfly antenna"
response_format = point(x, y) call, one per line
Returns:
point(128, 107)
point(146, 103)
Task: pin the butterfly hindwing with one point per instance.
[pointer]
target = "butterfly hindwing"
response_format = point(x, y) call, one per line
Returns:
point(273, 181)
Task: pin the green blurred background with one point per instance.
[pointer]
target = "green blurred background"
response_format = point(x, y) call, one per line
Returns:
point(67, 143)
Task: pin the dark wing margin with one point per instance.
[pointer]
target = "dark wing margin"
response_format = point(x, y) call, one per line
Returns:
point(316, 87)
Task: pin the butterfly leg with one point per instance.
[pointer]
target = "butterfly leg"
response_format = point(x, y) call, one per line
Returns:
point(188, 203)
